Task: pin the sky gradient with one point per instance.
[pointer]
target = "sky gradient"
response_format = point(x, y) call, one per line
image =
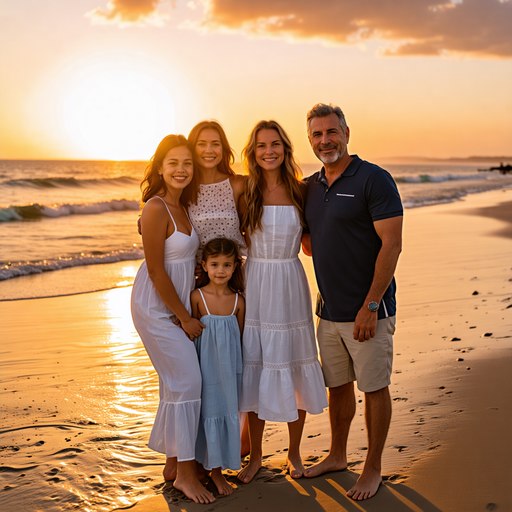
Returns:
point(92, 79)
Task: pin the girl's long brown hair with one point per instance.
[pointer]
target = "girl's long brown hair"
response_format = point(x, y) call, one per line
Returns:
point(223, 247)
point(291, 175)
point(152, 184)
point(228, 156)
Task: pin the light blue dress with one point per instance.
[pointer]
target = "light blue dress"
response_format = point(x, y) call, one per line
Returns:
point(220, 359)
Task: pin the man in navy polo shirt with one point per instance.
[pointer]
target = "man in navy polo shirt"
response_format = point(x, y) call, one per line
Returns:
point(354, 214)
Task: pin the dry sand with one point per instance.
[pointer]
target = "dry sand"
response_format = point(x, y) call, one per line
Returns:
point(449, 445)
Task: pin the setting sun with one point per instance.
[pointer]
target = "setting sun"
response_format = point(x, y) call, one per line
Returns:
point(118, 115)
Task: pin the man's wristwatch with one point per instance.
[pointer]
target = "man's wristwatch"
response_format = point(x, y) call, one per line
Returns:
point(373, 307)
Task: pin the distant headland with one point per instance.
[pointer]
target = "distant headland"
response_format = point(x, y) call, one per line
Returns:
point(469, 159)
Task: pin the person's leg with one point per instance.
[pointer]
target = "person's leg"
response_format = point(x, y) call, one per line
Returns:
point(294, 461)
point(188, 483)
point(342, 408)
point(244, 438)
point(256, 427)
point(171, 468)
point(378, 417)
point(223, 486)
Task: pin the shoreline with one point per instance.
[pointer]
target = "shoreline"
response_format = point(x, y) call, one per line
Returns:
point(120, 273)
point(84, 367)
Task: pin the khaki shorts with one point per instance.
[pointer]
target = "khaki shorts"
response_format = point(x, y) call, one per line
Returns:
point(346, 360)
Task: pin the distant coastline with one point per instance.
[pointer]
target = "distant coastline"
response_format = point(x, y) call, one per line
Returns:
point(425, 159)
point(389, 159)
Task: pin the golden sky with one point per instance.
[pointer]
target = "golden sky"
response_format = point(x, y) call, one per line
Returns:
point(99, 79)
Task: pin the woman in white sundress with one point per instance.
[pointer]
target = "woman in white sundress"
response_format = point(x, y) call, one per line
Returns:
point(282, 378)
point(161, 291)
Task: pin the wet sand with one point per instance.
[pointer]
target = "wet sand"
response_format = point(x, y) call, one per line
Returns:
point(79, 394)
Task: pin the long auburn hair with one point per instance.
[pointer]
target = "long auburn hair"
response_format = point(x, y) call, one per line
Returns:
point(152, 185)
point(291, 175)
point(228, 156)
point(223, 247)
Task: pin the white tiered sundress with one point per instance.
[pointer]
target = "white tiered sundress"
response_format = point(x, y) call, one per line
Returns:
point(215, 215)
point(281, 371)
point(172, 353)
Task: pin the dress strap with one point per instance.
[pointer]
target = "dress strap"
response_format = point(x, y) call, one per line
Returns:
point(204, 302)
point(236, 302)
point(167, 208)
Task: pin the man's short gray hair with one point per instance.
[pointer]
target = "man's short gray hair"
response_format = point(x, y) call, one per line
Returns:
point(323, 110)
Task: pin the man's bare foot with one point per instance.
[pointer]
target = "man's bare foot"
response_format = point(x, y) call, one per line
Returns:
point(223, 486)
point(295, 467)
point(330, 463)
point(192, 488)
point(366, 486)
point(171, 468)
point(249, 472)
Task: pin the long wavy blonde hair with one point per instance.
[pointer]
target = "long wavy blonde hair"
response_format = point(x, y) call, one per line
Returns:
point(291, 175)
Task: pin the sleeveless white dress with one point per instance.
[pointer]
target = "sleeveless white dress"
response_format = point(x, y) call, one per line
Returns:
point(215, 215)
point(281, 371)
point(172, 353)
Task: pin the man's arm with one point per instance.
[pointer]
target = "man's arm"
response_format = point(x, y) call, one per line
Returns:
point(390, 232)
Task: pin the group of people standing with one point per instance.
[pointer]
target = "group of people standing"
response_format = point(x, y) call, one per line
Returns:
point(229, 335)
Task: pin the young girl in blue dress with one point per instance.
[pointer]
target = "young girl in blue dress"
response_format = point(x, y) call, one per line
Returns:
point(218, 304)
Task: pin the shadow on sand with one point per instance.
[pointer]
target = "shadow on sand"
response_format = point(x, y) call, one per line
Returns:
point(274, 491)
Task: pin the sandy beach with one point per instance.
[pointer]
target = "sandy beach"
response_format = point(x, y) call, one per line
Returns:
point(79, 394)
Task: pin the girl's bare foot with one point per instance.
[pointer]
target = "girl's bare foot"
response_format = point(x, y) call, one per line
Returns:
point(171, 468)
point(249, 472)
point(294, 466)
point(223, 486)
point(192, 488)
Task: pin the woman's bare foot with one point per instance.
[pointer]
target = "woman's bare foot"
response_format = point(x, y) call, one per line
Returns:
point(192, 488)
point(366, 486)
point(294, 466)
point(189, 485)
point(171, 468)
point(249, 472)
point(330, 463)
point(223, 486)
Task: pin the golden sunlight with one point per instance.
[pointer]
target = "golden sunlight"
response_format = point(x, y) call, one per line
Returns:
point(118, 115)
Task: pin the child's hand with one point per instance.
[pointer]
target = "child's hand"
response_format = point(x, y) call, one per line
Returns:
point(139, 226)
point(175, 320)
point(193, 328)
point(198, 270)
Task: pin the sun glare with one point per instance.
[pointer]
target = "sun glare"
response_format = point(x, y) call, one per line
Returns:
point(118, 115)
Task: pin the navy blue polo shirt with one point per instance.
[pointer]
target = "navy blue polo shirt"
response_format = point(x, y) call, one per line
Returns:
point(344, 242)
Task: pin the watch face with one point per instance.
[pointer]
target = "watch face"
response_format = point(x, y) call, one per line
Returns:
point(373, 306)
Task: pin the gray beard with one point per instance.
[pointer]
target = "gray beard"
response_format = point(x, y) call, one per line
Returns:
point(330, 159)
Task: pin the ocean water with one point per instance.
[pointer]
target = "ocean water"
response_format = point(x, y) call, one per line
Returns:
point(67, 226)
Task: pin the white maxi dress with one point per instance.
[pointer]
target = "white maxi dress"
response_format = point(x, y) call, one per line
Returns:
point(172, 353)
point(281, 371)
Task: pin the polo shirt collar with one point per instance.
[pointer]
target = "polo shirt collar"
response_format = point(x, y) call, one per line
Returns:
point(351, 169)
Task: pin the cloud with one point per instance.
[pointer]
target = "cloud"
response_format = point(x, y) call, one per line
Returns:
point(128, 13)
point(477, 28)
